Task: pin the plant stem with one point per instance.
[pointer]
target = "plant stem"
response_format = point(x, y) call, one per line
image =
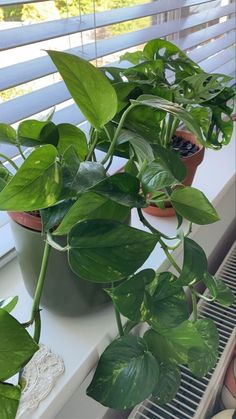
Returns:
point(118, 322)
point(9, 161)
point(118, 129)
point(169, 131)
point(194, 304)
point(129, 326)
point(170, 257)
point(35, 313)
point(20, 151)
point(151, 228)
point(92, 147)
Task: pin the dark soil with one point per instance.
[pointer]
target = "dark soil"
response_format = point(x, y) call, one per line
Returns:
point(185, 148)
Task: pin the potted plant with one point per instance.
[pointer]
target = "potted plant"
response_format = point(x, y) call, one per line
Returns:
point(163, 70)
point(62, 171)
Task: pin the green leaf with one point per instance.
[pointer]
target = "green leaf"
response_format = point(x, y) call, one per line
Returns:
point(173, 58)
point(168, 306)
point(202, 116)
point(202, 359)
point(195, 344)
point(5, 177)
point(89, 88)
point(195, 263)
point(132, 57)
point(126, 374)
point(175, 110)
point(201, 87)
point(36, 184)
point(193, 205)
point(8, 304)
point(87, 176)
point(141, 148)
point(129, 296)
point(9, 400)
point(52, 216)
point(106, 251)
point(122, 188)
point(32, 133)
point(123, 92)
point(155, 177)
point(16, 346)
point(90, 206)
point(131, 168)
point(114, 74)
point(168, 383)
point(148, 72)
point(221, 123)
point(70, 135)
point(172, 161)
point(7, 134)
point(219, 290)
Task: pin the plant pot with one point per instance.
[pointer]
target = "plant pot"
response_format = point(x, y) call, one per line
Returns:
point(191, 163)
point(64, 292)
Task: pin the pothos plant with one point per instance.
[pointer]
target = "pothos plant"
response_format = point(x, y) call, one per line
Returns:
point(62, 179)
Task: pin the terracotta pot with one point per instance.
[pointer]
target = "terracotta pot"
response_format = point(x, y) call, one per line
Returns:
point(64, 292)
point(191, 163)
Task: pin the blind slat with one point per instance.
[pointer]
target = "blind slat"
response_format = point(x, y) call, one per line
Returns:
point(12, 38)
point(33, 69)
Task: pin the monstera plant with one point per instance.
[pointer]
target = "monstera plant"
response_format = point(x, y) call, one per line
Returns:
point(163, 70)
point(77, 199)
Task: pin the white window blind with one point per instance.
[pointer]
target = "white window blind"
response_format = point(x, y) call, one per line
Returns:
point(98, 31)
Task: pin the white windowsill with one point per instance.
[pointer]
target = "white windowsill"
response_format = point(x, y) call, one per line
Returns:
point(80, 340)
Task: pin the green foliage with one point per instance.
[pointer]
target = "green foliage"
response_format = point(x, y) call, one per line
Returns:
point(193, 205)
point(36, 184)
point(16, 346)
point(9, 400)
point(126, 246)
point(77, 199)
point(123, 369)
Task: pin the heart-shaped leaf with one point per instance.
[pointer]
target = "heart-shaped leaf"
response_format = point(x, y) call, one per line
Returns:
point(195, 262)
point(9, 400)
point(52, 216)
point(168, 383)
point(7, 134)
point(90, 206)
point(141, 148)
point(202, 359)
point(122, 188)
point(70, 135)
point(87, 176)
point(16, 346)
point(219, 290)
point(129, 296)
point(89, 88)
point(32, 133)
point(187, 343)
point(193, 205)
point(106, 251)
point(126, 374)
point(36, 184)
point(8, 304)
point(168, 306)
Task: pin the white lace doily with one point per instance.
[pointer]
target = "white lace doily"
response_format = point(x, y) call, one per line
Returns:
point(40, 375)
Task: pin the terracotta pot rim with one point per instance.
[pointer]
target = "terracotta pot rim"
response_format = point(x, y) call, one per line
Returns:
point(27, 220)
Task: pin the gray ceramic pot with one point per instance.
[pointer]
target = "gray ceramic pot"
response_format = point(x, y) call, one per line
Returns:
point(64, 292)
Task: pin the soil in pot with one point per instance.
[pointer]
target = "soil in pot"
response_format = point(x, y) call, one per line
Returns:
point(191, 154)
point(64, 292)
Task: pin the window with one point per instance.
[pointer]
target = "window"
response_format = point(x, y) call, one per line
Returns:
point(97, 30)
